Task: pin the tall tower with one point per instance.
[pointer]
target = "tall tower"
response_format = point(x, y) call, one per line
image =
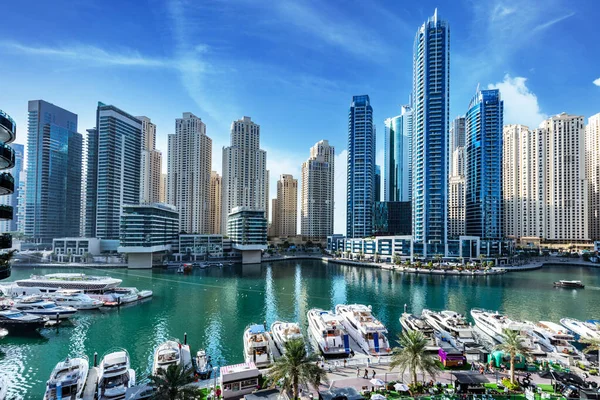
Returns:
point(8, 132)
point(12, 199)
point(361, 168)
point(245, 178)
point(54, 154)
point(151, 164)
point(189, 171)
point(215, 203)
point(397, 179)
point(592, 168)
point(287, 202)
point(316, 209)
point(431, 107)
point(483, 166)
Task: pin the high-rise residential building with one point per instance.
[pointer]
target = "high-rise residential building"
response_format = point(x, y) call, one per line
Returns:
point(189, 169)
point(483, 166)
point(431, 106)
point(151, 164)
point(21, 209)
point(54, 154)
point(91, 182)
point(592, 169)
point(8, 132)
point(215, 203)
point(13, 198)
point(457, 133)
point(274, 226)
point(162, 194)
point(287, 202)
point(361, 168)
point(377, 183)
point(397, 177)
point(456, 181)
point(544, 182)
point(117, 146)
point(245, 176)
point(317, 203)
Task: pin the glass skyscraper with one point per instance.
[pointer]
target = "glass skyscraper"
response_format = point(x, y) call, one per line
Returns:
point(483, 166)
point(361, 168)
point(54, 153)
point(13, 199)
point(431, 106)
point(397, 154)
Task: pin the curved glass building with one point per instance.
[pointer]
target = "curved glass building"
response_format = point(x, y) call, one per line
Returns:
point(8, 132)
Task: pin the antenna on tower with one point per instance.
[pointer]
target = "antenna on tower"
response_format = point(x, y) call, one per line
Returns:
point(435, 16)
point(477, 91)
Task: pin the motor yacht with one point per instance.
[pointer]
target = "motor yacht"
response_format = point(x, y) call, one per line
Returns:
point(76, 299)
point(171, 353)
point(37, 306)
point(412, 322)
point(115, 376)
point(141, 294)
point(67, 380)
point(16, 320)
point(328, 333)
point(281, 332)
point(555, 337)
point(203, 364)
point(364, 328)
point(451, 322)
point(493, 324)
point(257, 346)
point(582, 330)
point(52, 282)
point(569, 284)
point(116, 297)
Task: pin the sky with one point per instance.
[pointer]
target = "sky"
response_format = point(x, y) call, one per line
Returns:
point(291, 65)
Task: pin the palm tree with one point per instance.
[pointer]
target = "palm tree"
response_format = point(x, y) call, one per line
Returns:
point(593, 345)
point(296, 367)
point(412, 355)
point(172, 384)
point(512, 344)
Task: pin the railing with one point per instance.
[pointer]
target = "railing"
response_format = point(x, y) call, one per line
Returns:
point(7, 183)
point(7, 128)
point(7, 156)
point(5, 241)
point(6, 212)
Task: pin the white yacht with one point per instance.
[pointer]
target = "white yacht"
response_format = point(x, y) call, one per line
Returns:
point(257, 346)
point(52, 282)
point(582, 330)
point(76, 299)
point(411, 322)
point(328, 332)
point(493, 324)
point(116, 297)
point(37, 306)
point(364, 328)
point(203, 364)
point(281, 332)
point(67, 380)
point(171, 353)
point(141, 294)
point(555, 337)
point(451, 322)
point(115, 376)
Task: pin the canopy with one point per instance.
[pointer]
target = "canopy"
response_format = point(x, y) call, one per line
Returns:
point(401, 387)
point(470, 378)
point(377, 382)
point(378, 396)
point(254, 329)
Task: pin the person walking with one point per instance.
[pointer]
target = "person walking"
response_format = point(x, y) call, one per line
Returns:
point(373, 375)
point(366, 375)
point(358, 372)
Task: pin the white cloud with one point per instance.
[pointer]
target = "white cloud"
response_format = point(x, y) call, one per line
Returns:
point(552, 22)
point(597, 82)
point(520, 104)
point(340, 191)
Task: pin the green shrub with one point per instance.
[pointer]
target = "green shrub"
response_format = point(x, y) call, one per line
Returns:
point(593, 372)
point(508, 384)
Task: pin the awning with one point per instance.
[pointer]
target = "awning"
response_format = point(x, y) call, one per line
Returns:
point(470, 378)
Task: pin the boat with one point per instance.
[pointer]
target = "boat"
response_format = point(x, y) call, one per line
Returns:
point(76, 299)
point(328, 333)
point(171, 353)
point(493, 324)
point(366, 330)
point(67, 379)
point(180, 270)
point(555, 337)
point(257, 346)
point(115, 376)
point(116, 297)
point(52, 282)
point(19, 321)
point(37, 306)
point(141, 294)
point(582, 330)
point(451, 322)
point(412, 322)
point(203, 364)
point(281, 332)
point(569, 284)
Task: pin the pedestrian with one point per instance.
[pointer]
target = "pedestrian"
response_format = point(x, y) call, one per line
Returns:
point(358, 372)
point(344, 363)
point(373, 374)
point(366, 375)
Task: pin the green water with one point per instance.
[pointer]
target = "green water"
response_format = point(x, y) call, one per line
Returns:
point(214, 306)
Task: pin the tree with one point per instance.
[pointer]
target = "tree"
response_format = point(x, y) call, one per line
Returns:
point(397, 260)
point(309, 244)
point(412, 355)
point(296, 367)
point(512, 344)
point(593, 345)
point(172, 384)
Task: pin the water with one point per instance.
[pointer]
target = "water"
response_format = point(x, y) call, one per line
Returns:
point(215, 305)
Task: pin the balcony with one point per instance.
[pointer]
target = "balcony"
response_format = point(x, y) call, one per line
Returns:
point(7, 156)
point(7, 184)
point(6, 212)
point(5, 241)
point(8, 128)
point(4, 272)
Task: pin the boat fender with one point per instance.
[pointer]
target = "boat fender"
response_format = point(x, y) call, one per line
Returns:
point(326, 348)
point(388, 349)
point(565, 351)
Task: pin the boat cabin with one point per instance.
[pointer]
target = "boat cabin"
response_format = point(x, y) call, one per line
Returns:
point(239, 380)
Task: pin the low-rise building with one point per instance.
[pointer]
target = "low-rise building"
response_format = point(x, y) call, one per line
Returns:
point(193, 247)
point(247, 228)
point(75, 249)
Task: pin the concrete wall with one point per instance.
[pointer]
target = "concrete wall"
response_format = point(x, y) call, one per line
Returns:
point(139, 260)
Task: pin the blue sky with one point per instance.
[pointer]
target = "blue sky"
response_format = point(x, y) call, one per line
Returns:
point(292, 66)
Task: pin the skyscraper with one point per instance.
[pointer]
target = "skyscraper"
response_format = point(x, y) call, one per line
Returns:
point(13, 199)
point(189, 168)
point(8, 132)
point(162, 197)
point(91, 182)
point(592, 167)
point(287, 202)
point(118, 149)
point(215, 203)
point(245, 177)
point(317, 203)
point(397, 177)
point(54, 154)
point(377, 183)
point(361, 168)
point(151, 164)
point(431, 106)
point(274, 228)
point(483, 166)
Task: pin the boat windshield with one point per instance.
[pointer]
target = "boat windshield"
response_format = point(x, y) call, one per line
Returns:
point(115, 381)
point(49, 305)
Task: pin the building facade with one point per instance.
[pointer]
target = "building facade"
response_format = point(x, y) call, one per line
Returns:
point(189, 169)
point(162, 195)
point(287, 202)
point(397, 177)
point(361, 168)
point(274, 225)
point(483, 166)
point(317, 203)
point(392, 218)
point(8, 133)
point(13, 199)
point(431, 106)
point(54, 155)
point(592, 169)
point(215, 203)
point(151, 164)
point(247, 229)
point(245, 176)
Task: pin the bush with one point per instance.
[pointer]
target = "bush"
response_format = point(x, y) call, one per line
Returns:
point(416, 388)
point(593, 372)
point(508, 384)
